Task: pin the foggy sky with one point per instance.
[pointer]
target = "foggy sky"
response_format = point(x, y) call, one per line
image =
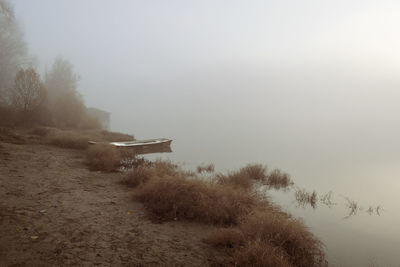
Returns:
point(298, 73)
point(133, 49)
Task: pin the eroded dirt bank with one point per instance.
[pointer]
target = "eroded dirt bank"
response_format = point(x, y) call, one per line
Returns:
point(55, 212)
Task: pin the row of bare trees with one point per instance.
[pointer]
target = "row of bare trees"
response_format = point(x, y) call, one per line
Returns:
point(26, 98)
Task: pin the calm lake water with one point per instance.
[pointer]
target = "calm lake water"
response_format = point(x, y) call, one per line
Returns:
point(336, 133)
point(363, 166)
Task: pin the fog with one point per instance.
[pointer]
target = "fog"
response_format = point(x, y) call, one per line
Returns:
point(310, 87)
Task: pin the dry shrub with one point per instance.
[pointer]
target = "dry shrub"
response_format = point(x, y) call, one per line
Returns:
point(278, 179)
point(303, 198)
point(259, 233)
point(9, 136)
point(173, 197)
point(166, 168)
point(353, 207)
point(277, 229)
point(256, 172)
point(141, 170)
point(130, 160)
point(68, 139)
point(260, 254)
point(137, 176)
point(226, 238)
point(102, 157)
point(244, 178)
point(235, 179)
point(326, 199)
point(205, 168)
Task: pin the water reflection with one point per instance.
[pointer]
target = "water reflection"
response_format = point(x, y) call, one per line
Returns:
point(304, 198)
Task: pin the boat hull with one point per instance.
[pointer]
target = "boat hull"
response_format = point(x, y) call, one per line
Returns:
point(161, 145)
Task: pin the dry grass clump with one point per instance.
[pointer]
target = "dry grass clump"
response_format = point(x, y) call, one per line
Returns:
point(235, 179)
point(209, 168)
point(256, 172)
point(130, 161)
point(278, 179)
point(303, 198)
point(326, 199)
point(174, 197)
point(102, 157)
point(141, 170)
point(9, 136)
point(137, 176)
point(257, 234)
point(353, 207)
point(244, 178)
point(288, 235)
point(68, 139)
point(166, 168)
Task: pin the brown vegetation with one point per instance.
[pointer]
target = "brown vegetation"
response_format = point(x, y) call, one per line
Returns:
point(103, 157)
point(209, 168)
point(137, 176)
point(257, 234)
point(174, 197)
point(277, 179)
point(255, 172)
point(303, 198)
point(278, 229)
point(326, 199)
point(269, 237)
point(243, 178)
point(251, 173)
point(163, 168)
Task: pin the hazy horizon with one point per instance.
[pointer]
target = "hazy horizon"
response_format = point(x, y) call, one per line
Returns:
point(307, 86)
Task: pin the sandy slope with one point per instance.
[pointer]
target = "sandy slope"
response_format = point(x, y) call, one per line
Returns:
point(55, 212)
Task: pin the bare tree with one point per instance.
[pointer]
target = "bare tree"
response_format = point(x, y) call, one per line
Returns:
point(61, 79)
point(29, 93)
point(67, 105)
point(13, 52)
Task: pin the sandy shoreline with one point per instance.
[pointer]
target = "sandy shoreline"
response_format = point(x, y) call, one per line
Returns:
point(54, 211)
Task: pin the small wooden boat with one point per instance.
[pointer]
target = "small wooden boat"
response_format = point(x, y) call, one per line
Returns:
point(159, 145)
point(144, 143)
